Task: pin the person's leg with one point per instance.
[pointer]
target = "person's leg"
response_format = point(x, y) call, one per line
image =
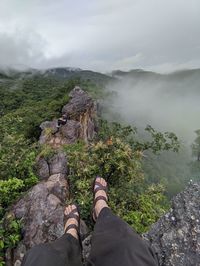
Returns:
point(66, 251)
point(114, 242)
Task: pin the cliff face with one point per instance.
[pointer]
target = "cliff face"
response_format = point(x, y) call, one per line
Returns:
point(175, 237)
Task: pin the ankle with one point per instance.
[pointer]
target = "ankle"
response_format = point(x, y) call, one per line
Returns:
point(72, 232)
point(99, 206)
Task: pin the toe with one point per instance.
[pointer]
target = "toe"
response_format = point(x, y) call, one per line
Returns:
point(66, 211)
point(73, 207)
point(98, 179)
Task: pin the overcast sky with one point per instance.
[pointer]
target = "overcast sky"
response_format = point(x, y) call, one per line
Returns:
point(102, 35)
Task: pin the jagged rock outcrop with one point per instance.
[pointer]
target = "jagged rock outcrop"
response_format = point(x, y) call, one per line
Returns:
point(176, 236)
point(80, 114)
point(41, 209)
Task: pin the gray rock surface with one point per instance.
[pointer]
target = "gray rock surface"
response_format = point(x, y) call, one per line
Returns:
point(83, 109)
point(86, 244)
point(53, 165)
point(42, 168)
point(41, 212)
point(58, 164)
point(71, 131)
point(81, 112)
point(176, 236)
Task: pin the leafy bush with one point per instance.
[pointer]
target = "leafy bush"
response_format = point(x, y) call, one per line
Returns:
point(114, 156)
point(10, 235)
point(149, 206)
point(9, 190)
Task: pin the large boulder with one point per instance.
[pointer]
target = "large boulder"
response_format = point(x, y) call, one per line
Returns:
point(41, 212)
point(176, 236)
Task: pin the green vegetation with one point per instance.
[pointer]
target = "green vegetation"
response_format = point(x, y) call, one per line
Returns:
point(117, 155)
point(25, 104)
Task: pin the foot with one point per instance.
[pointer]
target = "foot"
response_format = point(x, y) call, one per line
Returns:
point(100, 204)
point(71, 210)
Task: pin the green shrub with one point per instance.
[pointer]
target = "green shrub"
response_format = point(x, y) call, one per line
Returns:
point(9, 190)
point(10, 235)
point(114, 156)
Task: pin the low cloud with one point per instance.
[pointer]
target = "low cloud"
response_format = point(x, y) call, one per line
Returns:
point(167, 102)
point(101, 35)
point(21, 48)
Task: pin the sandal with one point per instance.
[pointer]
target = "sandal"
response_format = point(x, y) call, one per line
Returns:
point(95, 200)
point(74, 216)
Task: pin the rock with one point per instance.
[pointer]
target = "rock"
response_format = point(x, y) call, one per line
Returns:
point(42, 168)
point(86, 244)
point(176, 236)
point(80, 114)
point(80, 103)
point(58, 164)
point(83, 109)
point(84, 231)
point(48, 128)
point(41, 212)
point(70, 132)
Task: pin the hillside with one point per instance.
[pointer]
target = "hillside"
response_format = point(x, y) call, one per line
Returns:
point(86, 140)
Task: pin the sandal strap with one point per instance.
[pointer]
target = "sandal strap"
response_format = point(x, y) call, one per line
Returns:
point(72, 215)
point(94, 204)
point(72, 226)
point(100, 198)
point(100, 187)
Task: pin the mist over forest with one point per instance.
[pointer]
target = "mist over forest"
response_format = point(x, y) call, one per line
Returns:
point(168, 102)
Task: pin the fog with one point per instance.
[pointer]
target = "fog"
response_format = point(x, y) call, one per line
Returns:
point(100, 35)
point(166, 102)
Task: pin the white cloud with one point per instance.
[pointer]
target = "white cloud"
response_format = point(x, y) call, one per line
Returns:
point(102, 34)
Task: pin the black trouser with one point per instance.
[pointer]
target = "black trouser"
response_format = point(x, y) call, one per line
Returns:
point(114, 243)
